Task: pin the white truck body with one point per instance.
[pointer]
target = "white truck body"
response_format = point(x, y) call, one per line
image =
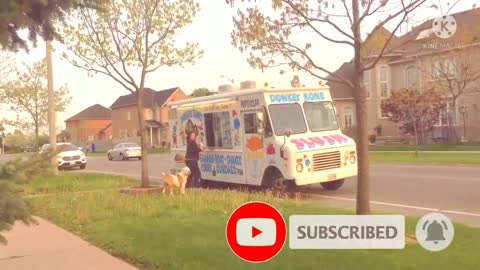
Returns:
point(251, 134)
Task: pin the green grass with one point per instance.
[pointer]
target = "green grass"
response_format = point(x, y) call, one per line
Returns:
point(441, 158)
point(71, 182)
point(427, 147)
point(188, 232)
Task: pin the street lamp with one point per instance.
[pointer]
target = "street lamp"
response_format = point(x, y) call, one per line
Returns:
point(228, 78)
point(463, 111)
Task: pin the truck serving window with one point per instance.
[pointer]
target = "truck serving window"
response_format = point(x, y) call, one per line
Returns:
point(218, 129)
point(287, 117)
point(320, 116)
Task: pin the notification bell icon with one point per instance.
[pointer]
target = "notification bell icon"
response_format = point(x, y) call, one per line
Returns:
point(435, 231)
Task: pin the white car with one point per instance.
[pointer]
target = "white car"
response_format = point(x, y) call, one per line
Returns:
point(69, 156)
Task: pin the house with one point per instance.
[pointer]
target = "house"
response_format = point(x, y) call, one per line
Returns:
point(421, 59)
point(90, 124)
point(125, 120)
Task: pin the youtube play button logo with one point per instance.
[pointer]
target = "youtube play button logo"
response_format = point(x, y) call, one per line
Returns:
point(256, 232)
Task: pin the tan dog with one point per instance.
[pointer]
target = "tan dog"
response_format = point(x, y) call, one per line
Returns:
point(178, 180)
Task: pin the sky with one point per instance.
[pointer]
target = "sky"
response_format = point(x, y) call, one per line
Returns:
point(211, 28)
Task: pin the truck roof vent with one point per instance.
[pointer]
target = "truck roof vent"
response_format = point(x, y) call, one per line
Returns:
point(225, 88)
point(248, 85)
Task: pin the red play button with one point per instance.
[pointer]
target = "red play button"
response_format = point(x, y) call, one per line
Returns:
point(256, 232)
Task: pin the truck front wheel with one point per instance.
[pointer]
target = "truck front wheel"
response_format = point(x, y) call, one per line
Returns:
point(333, 185)
point(279, 186)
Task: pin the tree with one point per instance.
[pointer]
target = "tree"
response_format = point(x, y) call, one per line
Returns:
point(28, 95)
point(37, 16)
point(270, 42)
point(414, 111)
point(7, 66)
point(127, 40)
point(456, 74)
point(16, 141)
point(200, 92)
point(63, 136)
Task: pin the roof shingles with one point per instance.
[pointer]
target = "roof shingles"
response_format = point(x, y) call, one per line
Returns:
point(150, 98)
point(96, 111)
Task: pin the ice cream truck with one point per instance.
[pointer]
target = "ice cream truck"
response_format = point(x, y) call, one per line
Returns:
point(265, 137)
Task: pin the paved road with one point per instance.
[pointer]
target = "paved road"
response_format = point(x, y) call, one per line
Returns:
point(399, 188)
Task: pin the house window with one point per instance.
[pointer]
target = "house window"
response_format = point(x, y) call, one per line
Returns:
point(384, 87)
point(443, 119)
point(218, 129)
point(129, 116)
point(443, 68)
point(383, 114)
point(412, 77)
point(348, 116)
point(366, 81)
point(384, 82)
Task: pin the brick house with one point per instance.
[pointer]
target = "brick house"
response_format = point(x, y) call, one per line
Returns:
point(125, 120)
point(93, 123)
point(420, 60)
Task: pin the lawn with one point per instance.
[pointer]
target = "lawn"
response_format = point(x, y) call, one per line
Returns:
point(427, 147)
point(441, 158)
point(72, 182)
point(188, 232)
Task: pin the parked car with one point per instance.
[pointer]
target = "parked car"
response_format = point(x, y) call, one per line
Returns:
point(70, 155)
point(125, 151)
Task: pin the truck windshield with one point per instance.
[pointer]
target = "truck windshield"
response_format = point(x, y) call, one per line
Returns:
point(287, 117)
point(320, 116)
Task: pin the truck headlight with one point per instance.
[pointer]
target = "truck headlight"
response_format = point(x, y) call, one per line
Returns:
point(299, 167)
point(353, 157)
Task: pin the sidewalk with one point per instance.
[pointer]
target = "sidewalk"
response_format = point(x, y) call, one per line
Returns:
point(48, 247)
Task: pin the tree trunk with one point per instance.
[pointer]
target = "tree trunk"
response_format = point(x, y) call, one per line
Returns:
point(452, 133)
point(36, 135)
point(143, 137)
point(415, 131)
point(363, 181)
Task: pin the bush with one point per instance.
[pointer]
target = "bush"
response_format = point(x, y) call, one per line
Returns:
point(12, 206)
point(25, 169)
point(372, 138)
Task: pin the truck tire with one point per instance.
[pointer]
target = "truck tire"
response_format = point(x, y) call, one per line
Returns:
point(279, 186)
point(333, 185)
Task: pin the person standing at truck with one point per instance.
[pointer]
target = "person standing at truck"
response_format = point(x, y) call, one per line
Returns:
point(191, 160)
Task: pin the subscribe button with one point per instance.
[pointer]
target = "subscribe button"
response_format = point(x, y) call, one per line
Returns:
point(347, 232)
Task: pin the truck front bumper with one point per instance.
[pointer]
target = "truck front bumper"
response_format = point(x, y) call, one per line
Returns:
point(325, 176)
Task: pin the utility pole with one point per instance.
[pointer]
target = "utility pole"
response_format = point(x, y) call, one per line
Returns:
point(51, 108)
